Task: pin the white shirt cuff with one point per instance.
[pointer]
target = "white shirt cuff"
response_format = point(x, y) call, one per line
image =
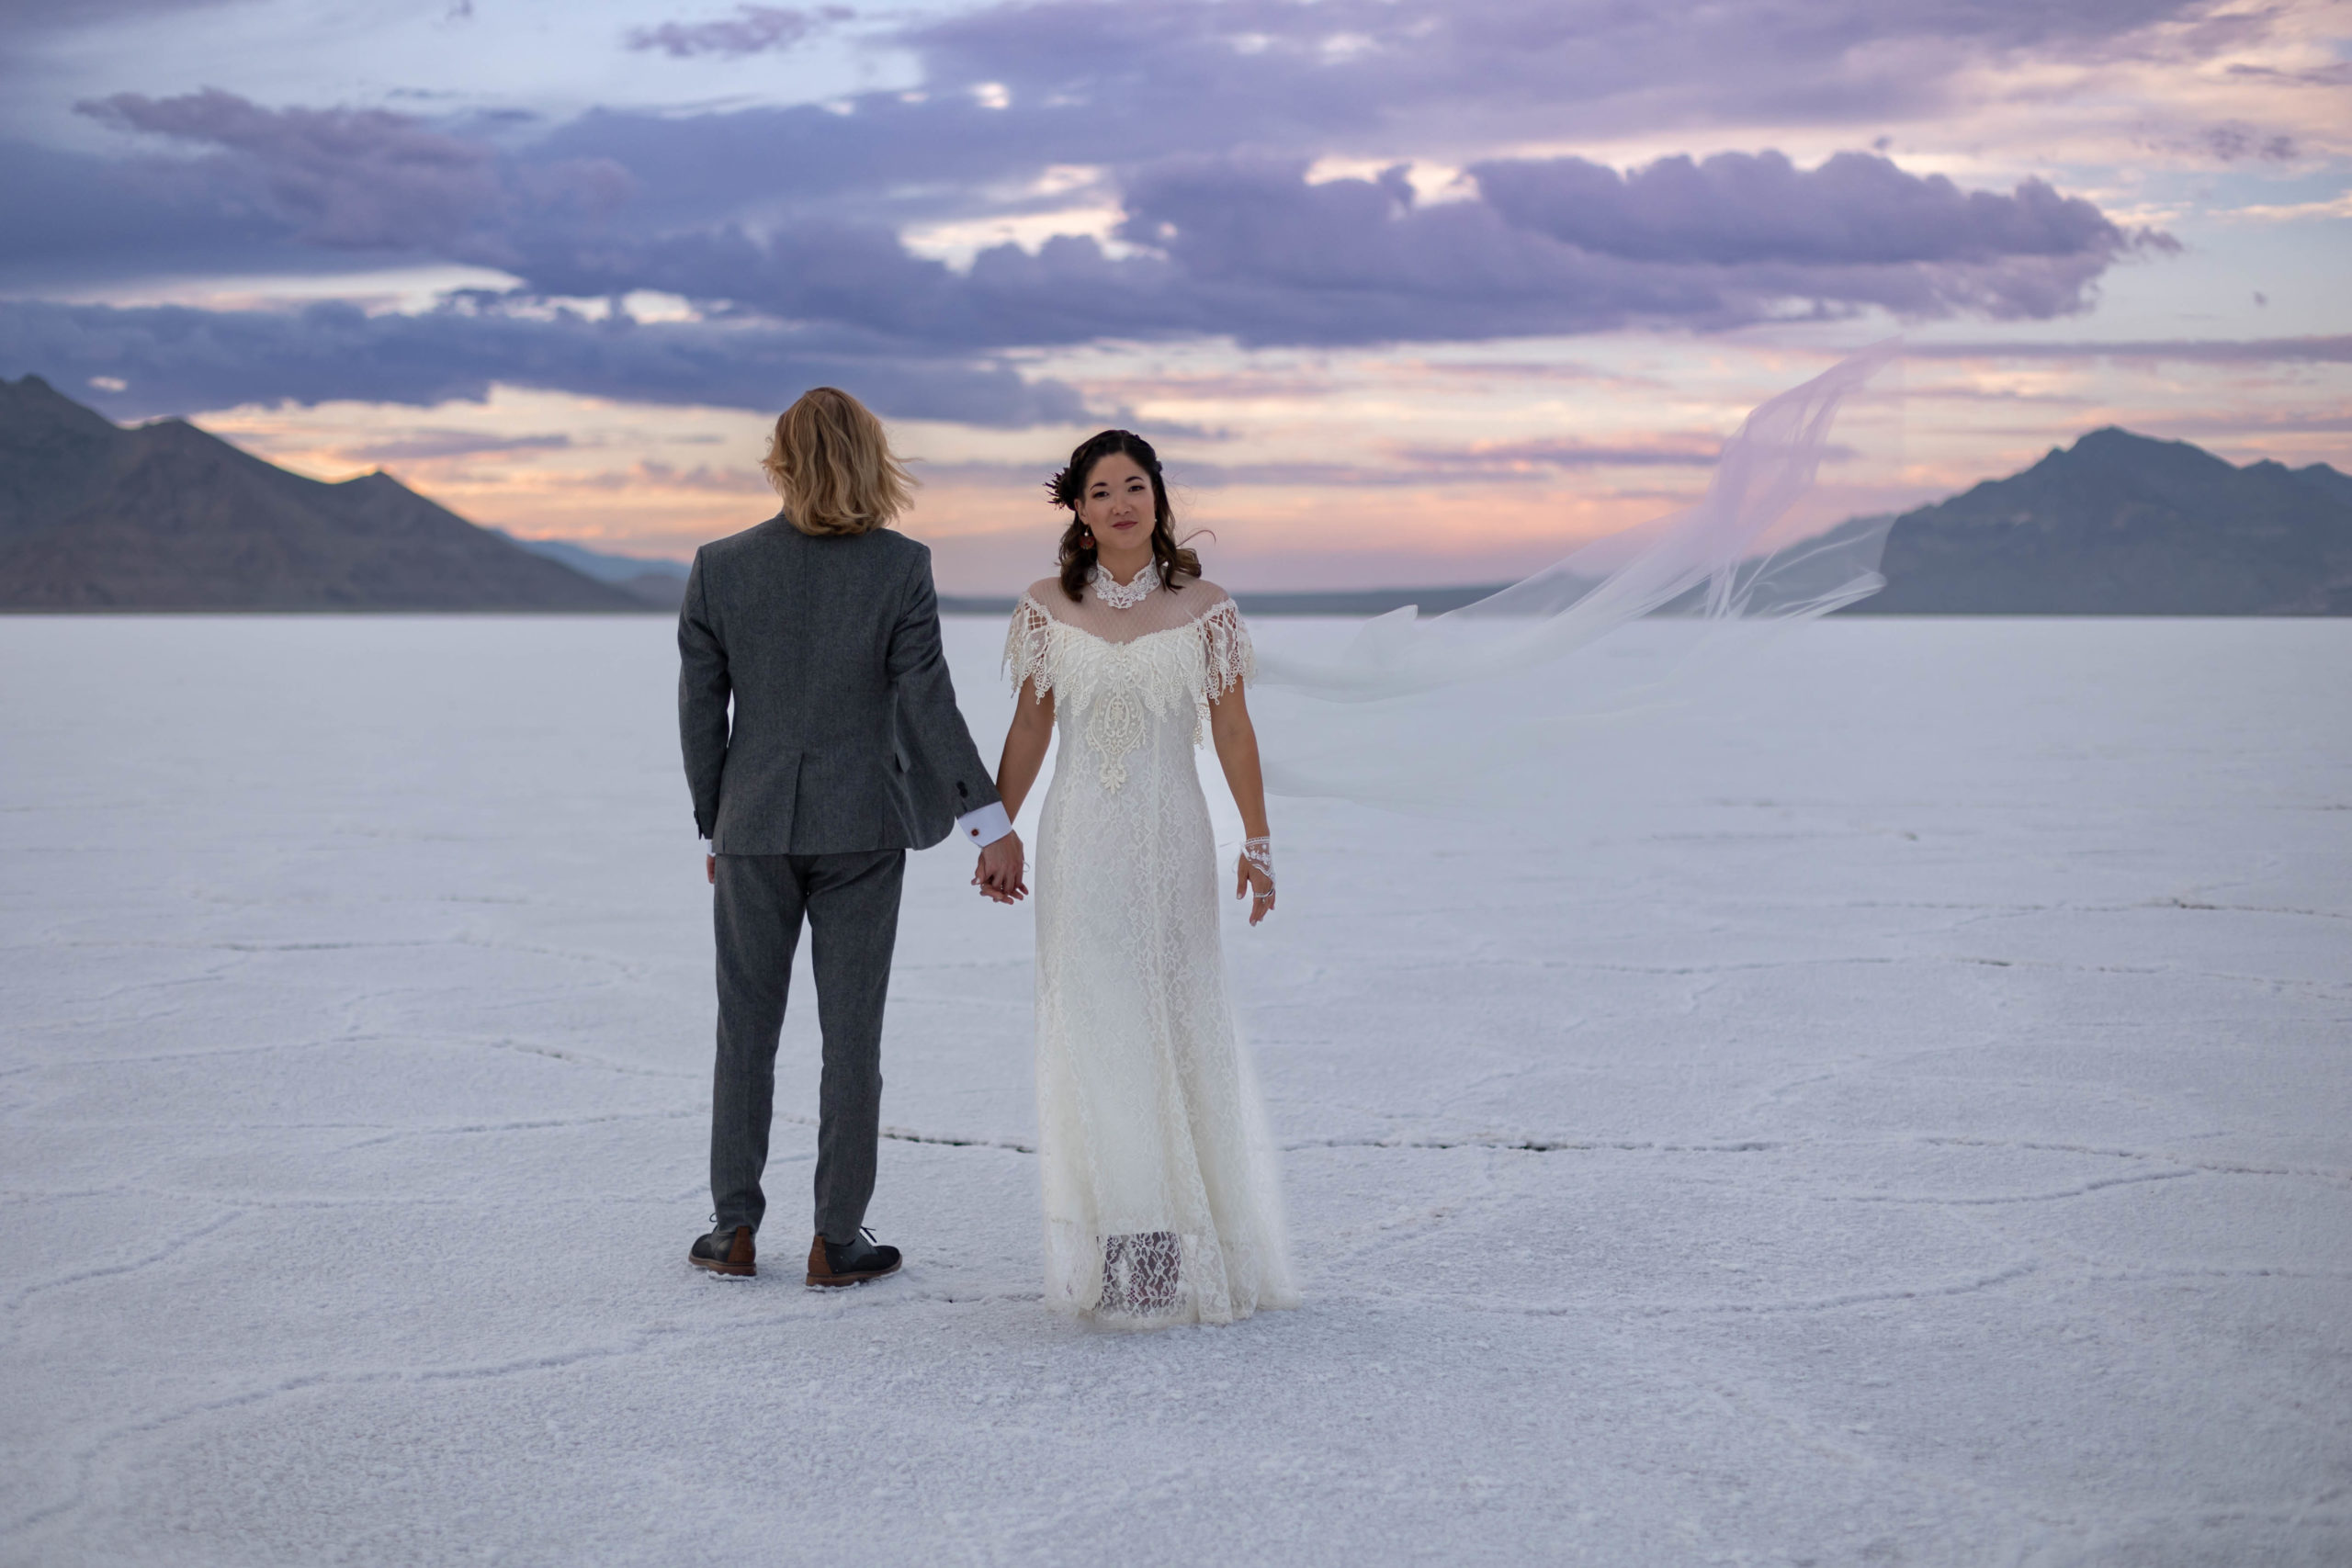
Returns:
point(985, 826)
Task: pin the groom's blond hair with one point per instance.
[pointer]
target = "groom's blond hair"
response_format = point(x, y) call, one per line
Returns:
point(832, 464)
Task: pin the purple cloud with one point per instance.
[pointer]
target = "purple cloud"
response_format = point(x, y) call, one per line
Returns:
point(20, 17)
point(2193, 351)
point(1736, 208)
point(1252, 250)
point(784, 224)
point(171, 360)
point(2234, 140)
point(73, 216)
point(1697, 450)
point(1267, 73)
point(751, 30)
point(369, 179)
point(1126, 85)
point(348, 179)
point(430, 445)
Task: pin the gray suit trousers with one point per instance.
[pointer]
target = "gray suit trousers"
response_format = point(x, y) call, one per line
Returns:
point(852, 905)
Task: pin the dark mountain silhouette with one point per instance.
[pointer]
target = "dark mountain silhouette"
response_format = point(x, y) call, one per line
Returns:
point(2124, 524)
point(167, 517)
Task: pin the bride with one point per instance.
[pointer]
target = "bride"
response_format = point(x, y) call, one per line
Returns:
point(1161, 1197)
point(1160, 1201)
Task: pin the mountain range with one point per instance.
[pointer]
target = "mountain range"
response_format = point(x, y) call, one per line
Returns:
point(2124, 524)
point(164, 517)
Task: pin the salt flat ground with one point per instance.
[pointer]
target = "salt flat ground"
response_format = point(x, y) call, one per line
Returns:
point(1896, 1110)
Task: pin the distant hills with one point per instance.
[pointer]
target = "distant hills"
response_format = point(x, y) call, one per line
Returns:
point(165, 517)
point(2122, 524)
point(660, 584)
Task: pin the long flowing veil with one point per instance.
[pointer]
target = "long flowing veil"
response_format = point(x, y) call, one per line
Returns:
point(1453, 708)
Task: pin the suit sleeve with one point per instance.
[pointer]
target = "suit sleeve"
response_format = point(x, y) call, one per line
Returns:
point(927, 707)
point(704, 686)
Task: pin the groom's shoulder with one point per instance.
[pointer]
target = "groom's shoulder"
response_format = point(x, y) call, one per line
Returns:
point(758, 539)
point(778, 535)
point(759, 559)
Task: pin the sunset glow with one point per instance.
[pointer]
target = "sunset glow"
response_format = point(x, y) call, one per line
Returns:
point(1494, 281)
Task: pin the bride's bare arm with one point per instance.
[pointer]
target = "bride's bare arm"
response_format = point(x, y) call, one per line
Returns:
point(1025, 746)
point(1000, 872)
point(1236, 753)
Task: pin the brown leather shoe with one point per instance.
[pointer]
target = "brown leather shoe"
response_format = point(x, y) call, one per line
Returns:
point(852, 1262)
point(724, 1252)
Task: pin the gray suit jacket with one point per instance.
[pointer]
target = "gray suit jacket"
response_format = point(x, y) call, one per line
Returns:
point(846, 735)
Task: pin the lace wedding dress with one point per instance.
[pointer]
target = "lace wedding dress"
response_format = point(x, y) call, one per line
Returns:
point(1160, 1196)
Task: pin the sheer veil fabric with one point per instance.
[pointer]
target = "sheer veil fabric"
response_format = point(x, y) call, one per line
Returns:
point(1161, 1199)
point(1452, 710)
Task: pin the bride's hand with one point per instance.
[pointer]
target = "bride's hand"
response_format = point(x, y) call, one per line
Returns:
point(1256, 886)
point(989, 889)
point(998, 874)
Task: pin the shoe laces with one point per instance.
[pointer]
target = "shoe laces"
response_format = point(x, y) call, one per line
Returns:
point(865, 1231)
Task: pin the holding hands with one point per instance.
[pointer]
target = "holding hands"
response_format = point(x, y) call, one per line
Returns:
point(999, 873)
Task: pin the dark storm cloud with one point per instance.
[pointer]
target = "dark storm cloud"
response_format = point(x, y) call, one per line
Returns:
point(173, 360)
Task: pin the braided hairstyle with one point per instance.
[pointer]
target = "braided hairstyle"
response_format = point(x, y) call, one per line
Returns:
point(1170, 559)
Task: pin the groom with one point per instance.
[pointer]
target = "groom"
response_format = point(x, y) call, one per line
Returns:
point(845, 749)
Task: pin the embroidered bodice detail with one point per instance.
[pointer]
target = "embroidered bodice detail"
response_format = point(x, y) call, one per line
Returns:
point(1111, 690)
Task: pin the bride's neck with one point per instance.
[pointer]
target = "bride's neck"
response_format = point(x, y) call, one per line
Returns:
point(1124, 573)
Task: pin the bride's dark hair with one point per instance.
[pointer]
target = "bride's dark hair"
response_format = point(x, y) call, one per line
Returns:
point(1170, 559)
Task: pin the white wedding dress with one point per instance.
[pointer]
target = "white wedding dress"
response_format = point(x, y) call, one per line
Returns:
point(1160, 1192)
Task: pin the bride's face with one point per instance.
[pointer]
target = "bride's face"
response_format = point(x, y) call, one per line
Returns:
point(1116, 503)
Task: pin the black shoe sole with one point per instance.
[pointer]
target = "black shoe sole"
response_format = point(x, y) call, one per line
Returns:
point(829, 1280)
point(734, 1270)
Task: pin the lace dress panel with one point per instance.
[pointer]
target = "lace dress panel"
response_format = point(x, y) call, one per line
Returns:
point(1160, 1196)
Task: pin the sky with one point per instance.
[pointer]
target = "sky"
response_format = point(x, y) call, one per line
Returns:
point(1407, 292)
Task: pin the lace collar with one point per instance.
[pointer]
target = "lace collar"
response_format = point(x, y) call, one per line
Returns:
point(1108, 590)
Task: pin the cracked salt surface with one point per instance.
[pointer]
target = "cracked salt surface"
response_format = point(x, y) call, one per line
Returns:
point(1894, 1110)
